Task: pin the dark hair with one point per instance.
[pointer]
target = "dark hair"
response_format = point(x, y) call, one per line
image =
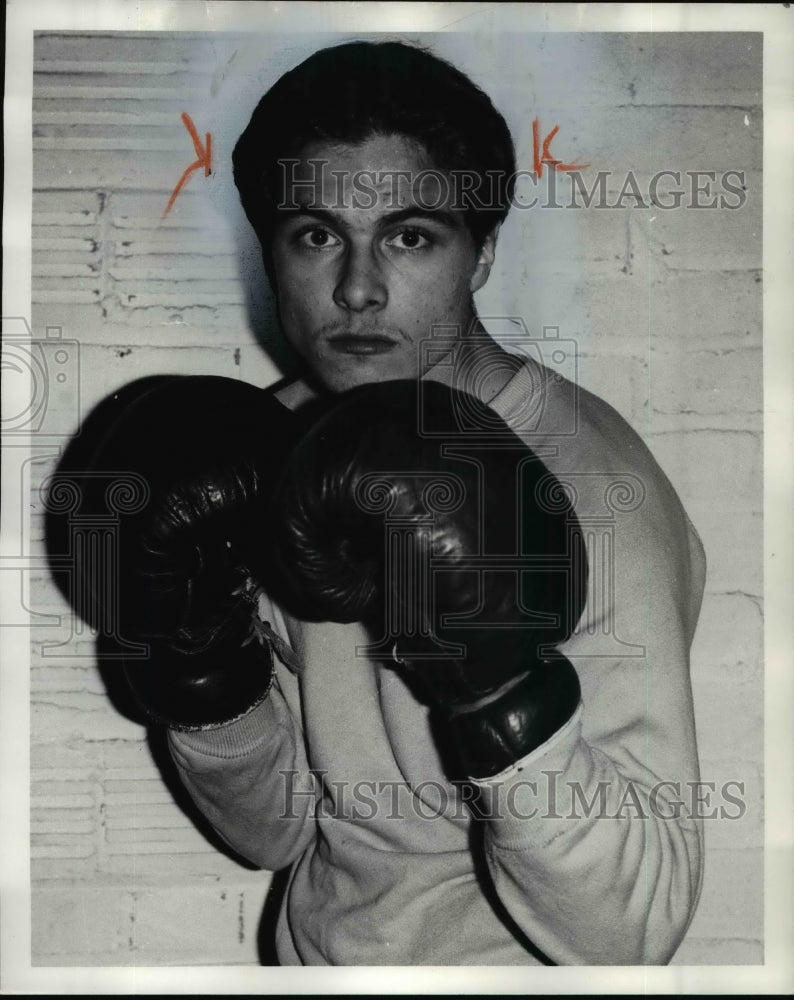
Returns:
point(349, 92)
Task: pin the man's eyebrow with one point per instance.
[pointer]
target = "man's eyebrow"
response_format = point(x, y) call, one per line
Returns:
point(438, 215)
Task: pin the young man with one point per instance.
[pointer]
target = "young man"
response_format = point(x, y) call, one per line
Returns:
point(376, 177)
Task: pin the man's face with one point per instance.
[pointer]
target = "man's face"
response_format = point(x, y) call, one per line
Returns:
point(369, 263)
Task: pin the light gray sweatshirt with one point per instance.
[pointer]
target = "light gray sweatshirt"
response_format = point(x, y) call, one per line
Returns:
point(588, 851)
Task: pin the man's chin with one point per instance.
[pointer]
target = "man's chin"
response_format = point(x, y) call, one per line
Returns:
point(336, 378)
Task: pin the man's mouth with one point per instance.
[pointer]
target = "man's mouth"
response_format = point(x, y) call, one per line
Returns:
point(348, 343)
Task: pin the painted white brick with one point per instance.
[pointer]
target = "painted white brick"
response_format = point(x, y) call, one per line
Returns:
point(81, 794)
point(727, 463)
point(49, 116)
point(46, 240)
point(59, 269)
point(215, 931)
point(230, 319)
point(46, 871)
point(150, 170)
point(76, 646)
point(698, 311)
point(728, 679)
point(624, 333)
point(671, 191)
point(582, 244)
point(132, 789)
point(105, 368)
point(644, 140)
point(76, 320)
point(698, 240)
point(727, 381)
point(134, 758)
point(188, 245)
point(213, 271)
point(74, 923)
point(729, 951)
point(612, 69)
point(738, 799)
point(143, 864)
point(731, 904)
point(132, 48)
point(143, 814)
point(71, 295)
point(59, 822)
point(618, 378)
point(730, 634)
point(65, 678)
point(134, 213)
point(63, 843)
point(72, 208)
point(662, 423)
point(107, 66)
point(81, 716)
point(726, 69)
point(144, 837)
point(71, 761)
point(734, 555)
point(76, 89)
point(109, 323)
point(195, 295)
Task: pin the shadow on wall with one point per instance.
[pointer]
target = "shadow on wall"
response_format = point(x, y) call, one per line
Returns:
point(157, 739)
point(266, 935)
point(260, 301)
point(77, 498)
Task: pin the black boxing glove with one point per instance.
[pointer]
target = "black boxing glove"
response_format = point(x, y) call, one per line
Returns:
point(457, 545)
point(203, 453)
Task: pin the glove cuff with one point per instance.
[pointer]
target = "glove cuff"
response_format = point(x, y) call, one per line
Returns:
point(192, 692)
point(493, 735)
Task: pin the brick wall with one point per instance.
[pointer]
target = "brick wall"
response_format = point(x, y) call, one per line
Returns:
point(665, 310)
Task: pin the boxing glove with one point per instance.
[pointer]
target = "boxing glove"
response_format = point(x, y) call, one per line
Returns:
point(194, 550)
point(456, 545)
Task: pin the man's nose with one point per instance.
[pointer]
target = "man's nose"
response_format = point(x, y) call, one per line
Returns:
point(361, 283)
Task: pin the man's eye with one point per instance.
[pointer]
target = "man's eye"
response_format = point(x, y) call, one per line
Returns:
point(409, 239)
point(318, 238)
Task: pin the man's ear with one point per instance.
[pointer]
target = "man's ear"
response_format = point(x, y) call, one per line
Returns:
point(485, 260)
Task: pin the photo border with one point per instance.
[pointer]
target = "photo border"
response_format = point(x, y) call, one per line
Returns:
point(775, 21)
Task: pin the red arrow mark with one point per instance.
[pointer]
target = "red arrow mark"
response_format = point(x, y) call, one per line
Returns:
point(541, 155)
point(204, 154)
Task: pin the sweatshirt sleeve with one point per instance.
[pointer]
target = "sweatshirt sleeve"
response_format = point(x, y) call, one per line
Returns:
point(251, 778)
point(593, 841)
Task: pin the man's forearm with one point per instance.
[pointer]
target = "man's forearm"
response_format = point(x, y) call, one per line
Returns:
point(596, 861)
point(235, 774)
